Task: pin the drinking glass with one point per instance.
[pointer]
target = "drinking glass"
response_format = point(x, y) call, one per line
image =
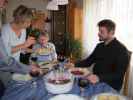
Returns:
point(82, 83)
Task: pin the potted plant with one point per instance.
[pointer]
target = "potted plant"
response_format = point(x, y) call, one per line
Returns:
point(74, 48)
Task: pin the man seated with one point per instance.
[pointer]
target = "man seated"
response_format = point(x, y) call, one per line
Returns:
point(110, 57)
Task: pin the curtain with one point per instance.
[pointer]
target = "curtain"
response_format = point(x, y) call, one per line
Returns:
point(130, 87)
point(121, 12)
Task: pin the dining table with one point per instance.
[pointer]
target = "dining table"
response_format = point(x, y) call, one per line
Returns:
point(35, 89)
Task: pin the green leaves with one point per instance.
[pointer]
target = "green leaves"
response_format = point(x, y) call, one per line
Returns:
point(74, 47)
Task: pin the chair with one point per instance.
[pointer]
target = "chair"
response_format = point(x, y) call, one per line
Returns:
point(2, 89)
point(126, 78)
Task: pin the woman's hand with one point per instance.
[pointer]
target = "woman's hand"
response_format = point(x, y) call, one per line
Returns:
point(30, 41)
point(28, 50)
point(35, 70)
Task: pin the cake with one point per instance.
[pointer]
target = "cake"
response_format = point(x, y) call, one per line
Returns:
point(62, 84)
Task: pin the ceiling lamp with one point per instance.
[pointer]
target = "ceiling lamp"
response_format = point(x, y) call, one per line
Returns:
point(3, 3)
point(61, 2)
point(52, 5)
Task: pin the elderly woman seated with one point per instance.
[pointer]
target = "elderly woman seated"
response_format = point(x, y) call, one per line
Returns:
point(44, 51)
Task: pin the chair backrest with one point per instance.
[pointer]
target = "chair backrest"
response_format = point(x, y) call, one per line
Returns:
point(126, 77)
point(2, 89)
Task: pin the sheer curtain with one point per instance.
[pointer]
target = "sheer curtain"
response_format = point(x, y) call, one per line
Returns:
point(120, 11)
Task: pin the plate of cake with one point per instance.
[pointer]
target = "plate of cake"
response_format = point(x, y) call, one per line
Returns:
point(80, 72)
point(44, 51)
point(108, 96)
point(21, 77)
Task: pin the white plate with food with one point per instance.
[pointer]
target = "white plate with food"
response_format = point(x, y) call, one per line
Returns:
point(44, 51)
point(21, 77)
point(48, 64)
point(108, 96)
point(66, 97)
point(80, 72)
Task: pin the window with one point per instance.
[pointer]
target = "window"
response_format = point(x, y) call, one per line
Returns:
point(120, 11)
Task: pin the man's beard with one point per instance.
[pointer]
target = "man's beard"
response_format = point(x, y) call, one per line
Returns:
point(100, 39)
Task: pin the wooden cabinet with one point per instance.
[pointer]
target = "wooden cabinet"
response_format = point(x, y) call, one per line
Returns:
point(59, 29)
point(67, 20)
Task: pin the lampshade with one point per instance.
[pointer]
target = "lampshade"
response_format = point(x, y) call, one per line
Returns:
point(3, 3)
point(61, 2)
point(52, 5)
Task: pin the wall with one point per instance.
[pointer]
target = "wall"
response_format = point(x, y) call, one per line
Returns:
point(76, 18)
point(79, 3)
point(12, 4)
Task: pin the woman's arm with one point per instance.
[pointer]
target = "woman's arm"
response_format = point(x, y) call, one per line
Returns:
point(30, 41)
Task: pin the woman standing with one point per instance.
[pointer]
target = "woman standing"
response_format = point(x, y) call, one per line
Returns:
point(14, 33)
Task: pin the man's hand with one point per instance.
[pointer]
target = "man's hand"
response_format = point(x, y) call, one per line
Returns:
point(93, 79)
point(69, 65)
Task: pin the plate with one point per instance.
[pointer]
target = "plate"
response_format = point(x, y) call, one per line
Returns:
point(79, 72)
point(50, 65)
point(21, 77)
point(66, 97)
point(108, 96)
point(44, 51)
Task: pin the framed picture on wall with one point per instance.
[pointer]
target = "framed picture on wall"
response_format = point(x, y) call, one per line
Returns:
point(2, 17)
